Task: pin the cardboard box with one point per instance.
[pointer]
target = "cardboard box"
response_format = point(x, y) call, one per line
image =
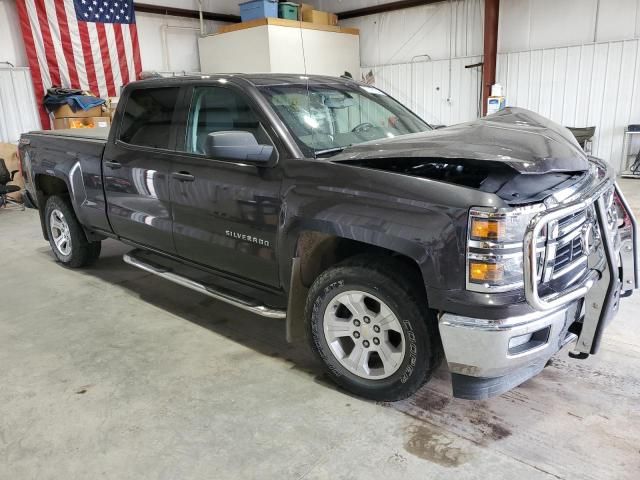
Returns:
point(315, 16)
point(81, 122)
point(333, 19)
point(303, 8)
point(66, 112)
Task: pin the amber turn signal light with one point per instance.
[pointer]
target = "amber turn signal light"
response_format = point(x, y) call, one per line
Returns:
point(485, 272)
point(485, 229)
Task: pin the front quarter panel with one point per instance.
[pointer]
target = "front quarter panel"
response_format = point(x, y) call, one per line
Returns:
point(417, 217)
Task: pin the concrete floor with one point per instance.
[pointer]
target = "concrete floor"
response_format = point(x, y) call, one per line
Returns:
point(110, 372)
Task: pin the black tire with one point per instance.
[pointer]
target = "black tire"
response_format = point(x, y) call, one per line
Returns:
point(81, 251)
point(397, 285)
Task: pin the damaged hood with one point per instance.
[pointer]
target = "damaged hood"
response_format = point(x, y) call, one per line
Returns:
point(519, 138)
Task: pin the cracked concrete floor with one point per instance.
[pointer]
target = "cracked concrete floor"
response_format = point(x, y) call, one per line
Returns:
point(112, 373)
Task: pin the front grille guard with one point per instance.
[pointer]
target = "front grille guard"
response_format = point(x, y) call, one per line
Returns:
point(531, 274)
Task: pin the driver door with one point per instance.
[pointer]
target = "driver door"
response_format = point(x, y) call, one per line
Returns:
point(225, 213)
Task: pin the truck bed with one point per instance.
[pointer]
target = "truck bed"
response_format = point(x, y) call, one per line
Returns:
point(74, 156)
point(85, 133)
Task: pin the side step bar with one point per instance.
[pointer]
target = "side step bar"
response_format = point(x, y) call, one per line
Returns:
point(198, 287)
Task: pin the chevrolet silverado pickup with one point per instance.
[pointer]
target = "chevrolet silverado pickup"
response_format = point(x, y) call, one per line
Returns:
point(325, 202)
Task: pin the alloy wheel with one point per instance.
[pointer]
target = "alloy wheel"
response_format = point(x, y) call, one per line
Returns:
point(364, 335)
point(60, 232)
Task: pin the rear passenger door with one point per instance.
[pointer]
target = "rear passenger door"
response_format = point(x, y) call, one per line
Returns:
point(136, 168)
point(225, 212)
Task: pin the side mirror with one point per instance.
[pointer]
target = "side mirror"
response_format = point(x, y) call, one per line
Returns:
point(237, 145)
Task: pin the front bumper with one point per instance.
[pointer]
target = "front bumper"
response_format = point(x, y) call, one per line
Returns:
point(489, 357)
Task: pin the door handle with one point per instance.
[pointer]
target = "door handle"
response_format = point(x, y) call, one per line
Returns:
point(113, 165)
point(183, 176)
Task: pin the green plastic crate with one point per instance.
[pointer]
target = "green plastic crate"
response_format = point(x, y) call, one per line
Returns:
point(288, 10)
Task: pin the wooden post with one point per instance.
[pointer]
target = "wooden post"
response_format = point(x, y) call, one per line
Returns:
point(491, 9)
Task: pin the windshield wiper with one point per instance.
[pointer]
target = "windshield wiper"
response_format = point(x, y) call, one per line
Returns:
point(330, 150)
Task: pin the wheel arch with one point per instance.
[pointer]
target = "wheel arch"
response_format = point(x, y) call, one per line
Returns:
point(314, 252)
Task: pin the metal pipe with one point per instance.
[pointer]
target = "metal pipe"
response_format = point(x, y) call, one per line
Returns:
point(201, 18)
point(491, 12)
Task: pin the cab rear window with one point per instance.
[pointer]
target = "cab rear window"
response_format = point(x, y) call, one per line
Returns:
point(148, 115)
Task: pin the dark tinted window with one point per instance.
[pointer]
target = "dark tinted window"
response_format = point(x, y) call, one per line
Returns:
point(147, 117)
point(218, 109)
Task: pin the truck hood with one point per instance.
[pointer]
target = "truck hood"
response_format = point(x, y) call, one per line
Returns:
point(519, 138)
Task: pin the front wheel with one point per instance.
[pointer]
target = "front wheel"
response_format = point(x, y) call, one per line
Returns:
point(369, 324)
point(66, 236)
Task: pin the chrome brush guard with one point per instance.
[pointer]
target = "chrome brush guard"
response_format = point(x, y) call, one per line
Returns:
point(601, 284)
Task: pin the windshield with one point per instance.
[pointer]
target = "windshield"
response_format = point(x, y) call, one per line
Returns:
point(326, 118)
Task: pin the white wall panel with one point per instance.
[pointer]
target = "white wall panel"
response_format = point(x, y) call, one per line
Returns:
point(11, 45)
point(18, 112)
point(393, 45)
point(535, 24)
point(170, 43)
point(580, 86)
point(440, 30)
point(424, 88)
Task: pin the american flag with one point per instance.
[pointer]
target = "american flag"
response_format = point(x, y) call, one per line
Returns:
point(86, 44)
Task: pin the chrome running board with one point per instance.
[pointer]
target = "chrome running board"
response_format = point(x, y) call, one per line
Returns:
point(198, 287)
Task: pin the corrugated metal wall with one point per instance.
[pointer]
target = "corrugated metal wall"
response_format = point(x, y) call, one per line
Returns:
point(439, 91)
point(586, 85)
point(408, 52)
point(18, 111)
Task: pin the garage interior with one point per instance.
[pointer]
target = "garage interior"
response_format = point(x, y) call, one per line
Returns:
point(112, 372)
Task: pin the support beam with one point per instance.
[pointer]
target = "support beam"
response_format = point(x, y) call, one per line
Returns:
point(185, 13)
point(382, 8)
point(491, 11)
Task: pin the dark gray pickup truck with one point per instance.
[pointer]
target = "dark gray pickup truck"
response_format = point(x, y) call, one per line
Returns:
point(493, 243)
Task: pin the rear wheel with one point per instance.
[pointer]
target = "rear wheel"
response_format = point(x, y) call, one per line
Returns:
point(66, 236)
point(369, 324)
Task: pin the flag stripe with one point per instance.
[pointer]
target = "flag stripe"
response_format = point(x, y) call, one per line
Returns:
point(122, 55)
point(113, 57)
point(96, 54)
point(76, 43)
point(49, 49)
point(67, 47)
point(92, 78)
point(106, 59)
point(39, 43)
point(56, 41)
point(128, 48)
point(27, 35)
point(136, 51)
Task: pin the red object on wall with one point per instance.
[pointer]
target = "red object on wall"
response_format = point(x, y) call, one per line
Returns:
point(86, 44)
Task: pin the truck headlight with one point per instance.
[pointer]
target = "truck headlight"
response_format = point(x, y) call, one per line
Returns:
point(495, 246)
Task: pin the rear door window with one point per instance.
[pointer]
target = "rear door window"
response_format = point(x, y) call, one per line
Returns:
point(148, 116)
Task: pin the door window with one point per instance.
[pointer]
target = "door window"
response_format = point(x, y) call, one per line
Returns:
point(148, 115)
point(218, 109)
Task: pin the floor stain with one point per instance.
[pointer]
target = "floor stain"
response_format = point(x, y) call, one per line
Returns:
point(427, 443)
point(431, 401)
point(474, 419)
point(490, 430)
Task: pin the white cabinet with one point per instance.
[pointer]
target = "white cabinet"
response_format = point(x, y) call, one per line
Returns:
point(272, 45)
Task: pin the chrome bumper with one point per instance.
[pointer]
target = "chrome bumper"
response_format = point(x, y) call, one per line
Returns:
point(489, 357)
